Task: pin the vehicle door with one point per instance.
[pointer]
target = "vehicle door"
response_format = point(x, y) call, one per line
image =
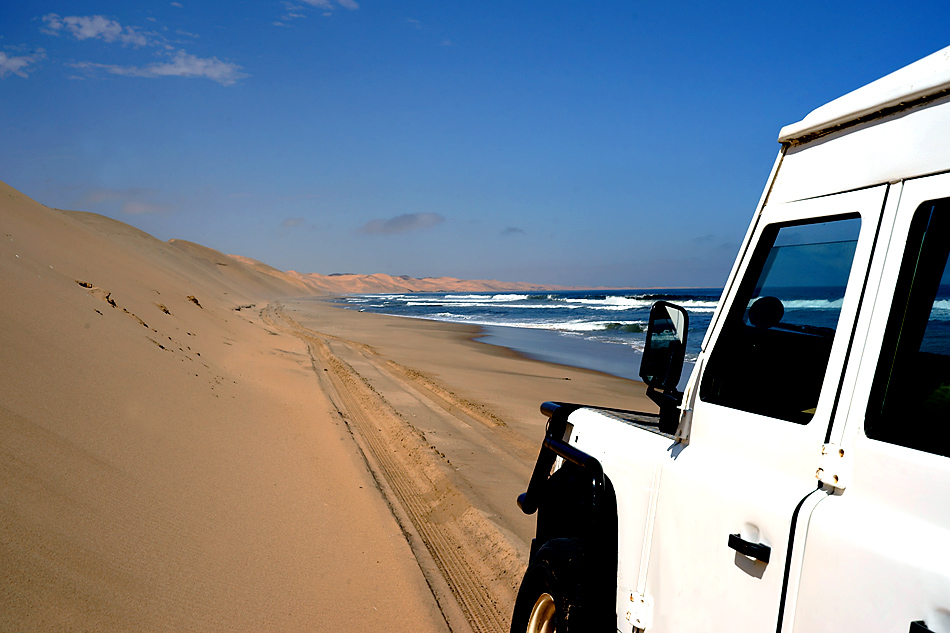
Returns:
point(878, 551)
point(767, 395)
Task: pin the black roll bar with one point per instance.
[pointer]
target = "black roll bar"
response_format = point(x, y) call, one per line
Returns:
point(554, 446)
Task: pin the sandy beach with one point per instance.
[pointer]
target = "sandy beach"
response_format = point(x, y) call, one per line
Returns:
point(196, 442)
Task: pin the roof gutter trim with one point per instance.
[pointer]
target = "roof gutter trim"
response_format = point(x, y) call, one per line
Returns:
point(926, 77)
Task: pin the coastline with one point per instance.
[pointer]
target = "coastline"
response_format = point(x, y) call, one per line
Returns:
point(541, 345)
point(552, 345)
point(588, 386)
point(599, 331)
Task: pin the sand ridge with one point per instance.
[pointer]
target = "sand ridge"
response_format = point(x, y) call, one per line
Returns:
point(168, 463)
point(351, 283)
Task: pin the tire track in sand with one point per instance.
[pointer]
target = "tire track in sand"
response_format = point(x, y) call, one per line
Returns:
point(472, 569)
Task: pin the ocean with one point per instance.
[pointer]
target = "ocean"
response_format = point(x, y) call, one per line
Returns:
point(605, 330)
point(600, 330)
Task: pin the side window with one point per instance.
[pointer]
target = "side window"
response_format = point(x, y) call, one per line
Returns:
point(772, 354)
point(910, 397)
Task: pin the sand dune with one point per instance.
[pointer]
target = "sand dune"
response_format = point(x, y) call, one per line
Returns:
point(184, 448)
point(347, 283)
point(166, 463)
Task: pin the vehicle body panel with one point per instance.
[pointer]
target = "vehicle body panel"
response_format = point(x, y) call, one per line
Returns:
point(890, 526)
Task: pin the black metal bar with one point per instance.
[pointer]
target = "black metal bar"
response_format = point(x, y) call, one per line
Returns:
point(554, 446)
point(548, 409)
point(758, 551)
point(528, 500)
point(551, 408)
point(585, 461)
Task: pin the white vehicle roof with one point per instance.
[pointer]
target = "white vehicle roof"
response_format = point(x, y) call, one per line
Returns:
point(924, 78)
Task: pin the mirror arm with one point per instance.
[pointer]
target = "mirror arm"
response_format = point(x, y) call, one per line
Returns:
point(669, 402)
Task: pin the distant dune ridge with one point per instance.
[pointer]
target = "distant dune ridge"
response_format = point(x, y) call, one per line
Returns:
point(353, 283)
point(350, 283)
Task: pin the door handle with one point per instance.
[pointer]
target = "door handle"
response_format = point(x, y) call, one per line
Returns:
point(758, 551)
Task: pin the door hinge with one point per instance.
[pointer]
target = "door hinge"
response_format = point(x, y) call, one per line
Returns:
point(689, 401)
point(834, 466)
point(640, 612)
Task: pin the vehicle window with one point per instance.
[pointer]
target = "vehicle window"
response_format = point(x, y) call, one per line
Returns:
point(773, 351)
point(910, 398)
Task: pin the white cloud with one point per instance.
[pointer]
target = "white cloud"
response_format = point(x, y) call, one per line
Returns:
point(401, 224)
point(181, 65)
point(185, 65)
point(292, 11)
point(95, 27)
point(297, 10)
point(18, 65)
point(330, 5)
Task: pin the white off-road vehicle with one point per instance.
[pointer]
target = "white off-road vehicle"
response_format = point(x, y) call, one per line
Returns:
point(801, 481)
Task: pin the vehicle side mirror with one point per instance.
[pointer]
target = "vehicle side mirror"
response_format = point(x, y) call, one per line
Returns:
point(662, 362)
point(665, 350)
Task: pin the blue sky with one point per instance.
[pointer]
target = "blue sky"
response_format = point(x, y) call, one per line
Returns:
point(602, 143)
